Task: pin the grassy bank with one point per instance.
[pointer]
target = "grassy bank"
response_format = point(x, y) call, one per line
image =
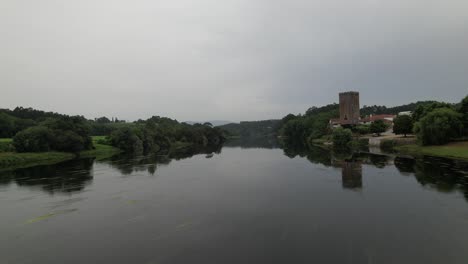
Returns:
point(456, 150)
point(13, 160)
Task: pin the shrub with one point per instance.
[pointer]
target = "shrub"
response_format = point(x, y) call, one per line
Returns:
point(34, 139)
point(69, 134)
point(126, 139)
point(378, 127)
point(67, 141)
point(362, 129)
point(341, 137)
point(439, 126)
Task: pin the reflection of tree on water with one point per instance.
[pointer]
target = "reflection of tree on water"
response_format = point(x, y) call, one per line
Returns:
point(66, 177)
point(315, 155)
point(130, 164)
point(443, 175)
point(351, 169)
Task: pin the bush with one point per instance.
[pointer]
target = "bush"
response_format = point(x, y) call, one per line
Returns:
point(378, 127)
point(6, 147)
point(362, 129)
point(34, 139)
point(126, 139)
point(67, 141)
point(68, 134)
point(341, 137)
point(439, 126)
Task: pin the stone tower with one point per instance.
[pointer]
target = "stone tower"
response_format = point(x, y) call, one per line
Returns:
point(349, 108)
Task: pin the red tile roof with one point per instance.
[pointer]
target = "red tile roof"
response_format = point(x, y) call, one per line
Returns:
point(378, 117)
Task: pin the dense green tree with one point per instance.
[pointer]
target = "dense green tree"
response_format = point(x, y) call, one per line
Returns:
point(33, 139)
point(69, 134)
point(341, 137)
point(380, 109)
point(103, 120)
point(7, 125)
point(314, 124)
point(70, 128)
point(378, 127)
point(295, 130)
point(439, 126)
point(362, 129)
point(403, 124)
point(424, 109)
point(127, 139)
point(463, 110)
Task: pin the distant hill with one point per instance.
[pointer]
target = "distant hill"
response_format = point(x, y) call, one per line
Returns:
point(381, 109)
point(252, 128)
point(213, 122)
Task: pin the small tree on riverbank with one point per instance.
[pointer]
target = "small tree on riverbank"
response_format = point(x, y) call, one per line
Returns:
point(403, 124)
point(378, 127)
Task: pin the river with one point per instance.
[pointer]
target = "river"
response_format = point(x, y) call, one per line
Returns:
point(243, 204)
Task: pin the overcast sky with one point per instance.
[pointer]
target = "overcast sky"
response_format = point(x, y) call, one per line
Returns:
point(228, 59)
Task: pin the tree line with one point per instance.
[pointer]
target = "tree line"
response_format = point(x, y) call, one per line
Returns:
point(38, 131)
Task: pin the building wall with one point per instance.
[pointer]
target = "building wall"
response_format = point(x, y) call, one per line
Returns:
point(349, 107)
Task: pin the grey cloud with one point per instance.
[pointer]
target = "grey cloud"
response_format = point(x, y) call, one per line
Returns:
point(233, 59)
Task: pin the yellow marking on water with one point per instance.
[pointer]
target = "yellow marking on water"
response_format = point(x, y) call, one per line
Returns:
point(49, 215)
point(39, 218)
point(181, 226)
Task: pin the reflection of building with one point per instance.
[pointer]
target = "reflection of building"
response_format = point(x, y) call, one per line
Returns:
point(351, 175)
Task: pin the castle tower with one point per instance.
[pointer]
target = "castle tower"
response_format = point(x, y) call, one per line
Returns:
point(349, 108)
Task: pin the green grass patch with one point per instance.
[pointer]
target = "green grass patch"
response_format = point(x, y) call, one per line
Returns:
point(100, 152)
point(13, 160)
point(97, 138)
point(457, 150)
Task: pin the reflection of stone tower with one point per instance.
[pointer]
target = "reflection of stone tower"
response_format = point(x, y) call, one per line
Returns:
point(352, 175)
point(349, 108)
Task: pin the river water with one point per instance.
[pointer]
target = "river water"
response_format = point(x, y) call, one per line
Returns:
point(244, 204)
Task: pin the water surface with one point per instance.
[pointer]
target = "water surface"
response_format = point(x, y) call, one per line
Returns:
point(241, 205)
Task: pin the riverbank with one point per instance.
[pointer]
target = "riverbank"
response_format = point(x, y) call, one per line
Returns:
point(14, 160)
point(454, 150)
point(405, 146)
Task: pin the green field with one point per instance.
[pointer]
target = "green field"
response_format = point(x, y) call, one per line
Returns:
point(457, 150)
point(11, 160)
